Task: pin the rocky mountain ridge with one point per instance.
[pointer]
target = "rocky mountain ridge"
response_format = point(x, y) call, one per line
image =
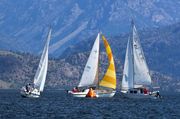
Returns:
point(24, 24)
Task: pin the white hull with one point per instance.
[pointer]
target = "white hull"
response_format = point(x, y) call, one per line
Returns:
point(31, 94)
point(138, 96)
point(104, 93)
point(79, 94)
point(99, 93)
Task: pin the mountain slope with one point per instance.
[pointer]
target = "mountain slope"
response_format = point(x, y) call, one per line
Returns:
point(17, 69)
point(24, 23)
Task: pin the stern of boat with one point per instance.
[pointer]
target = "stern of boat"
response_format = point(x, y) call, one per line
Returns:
point(31, 94)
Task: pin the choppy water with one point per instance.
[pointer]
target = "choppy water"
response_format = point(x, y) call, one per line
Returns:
point(57, 104)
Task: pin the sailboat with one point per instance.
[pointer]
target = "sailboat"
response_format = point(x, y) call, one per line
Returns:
point(107, 86)
point(40, 76)
point(136, 81)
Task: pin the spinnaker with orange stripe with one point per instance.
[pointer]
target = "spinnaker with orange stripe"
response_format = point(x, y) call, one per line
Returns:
point(109, 79)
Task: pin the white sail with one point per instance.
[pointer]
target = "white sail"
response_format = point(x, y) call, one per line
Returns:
point(127, 81)
point(89, 75)
point(141, 71)
point(40, 77)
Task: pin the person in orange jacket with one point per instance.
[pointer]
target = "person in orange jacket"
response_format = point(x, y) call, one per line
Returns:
point(91, 93)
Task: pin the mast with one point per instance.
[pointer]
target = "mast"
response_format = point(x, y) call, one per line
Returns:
point(132, 25)
point(97, 76)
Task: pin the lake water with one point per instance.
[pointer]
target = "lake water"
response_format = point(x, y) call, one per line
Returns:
point(59, 105)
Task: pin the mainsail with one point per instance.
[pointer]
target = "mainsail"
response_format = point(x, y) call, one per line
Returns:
point(90, 71)
point(40, 77)
point(109, 79)
point(141, 71)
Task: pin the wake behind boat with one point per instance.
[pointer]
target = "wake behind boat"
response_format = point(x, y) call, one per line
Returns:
point(40, 77)
point(89, 85)
point(136, 82)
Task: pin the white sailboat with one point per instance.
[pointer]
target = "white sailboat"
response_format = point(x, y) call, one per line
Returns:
point(136, 76)
point(89, 77)
point(40, 76)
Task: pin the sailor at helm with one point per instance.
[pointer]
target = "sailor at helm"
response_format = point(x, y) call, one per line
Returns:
point(28, 87)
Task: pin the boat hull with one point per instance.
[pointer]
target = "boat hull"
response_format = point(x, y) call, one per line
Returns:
point(99, 93)
point(138, 96)
point(31, 94)
point(79, 94)
point(104, 93)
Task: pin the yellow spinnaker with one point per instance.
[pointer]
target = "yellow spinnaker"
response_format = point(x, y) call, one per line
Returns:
point(109, 79)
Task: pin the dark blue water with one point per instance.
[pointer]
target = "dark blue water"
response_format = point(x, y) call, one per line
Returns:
point(57, 104)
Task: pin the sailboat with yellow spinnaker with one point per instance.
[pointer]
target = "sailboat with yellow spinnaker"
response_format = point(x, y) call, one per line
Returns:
point(107, 86)
point(89, 80)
